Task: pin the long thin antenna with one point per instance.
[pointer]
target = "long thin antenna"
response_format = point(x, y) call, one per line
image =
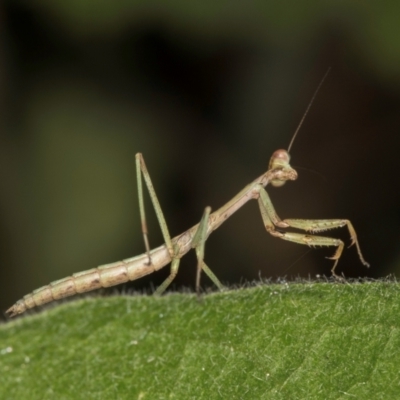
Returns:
point(308, 108)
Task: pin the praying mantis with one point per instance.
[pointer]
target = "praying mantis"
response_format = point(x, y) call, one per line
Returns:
point(278, 173)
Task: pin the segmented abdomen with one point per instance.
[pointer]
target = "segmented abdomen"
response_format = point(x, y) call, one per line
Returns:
point(80, 282)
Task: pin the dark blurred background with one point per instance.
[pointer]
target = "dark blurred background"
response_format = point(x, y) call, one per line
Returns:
point(206, 91)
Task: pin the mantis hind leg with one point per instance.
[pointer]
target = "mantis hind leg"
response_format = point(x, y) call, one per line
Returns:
point(198, 242)
point(173, 251)
point(141, 168)
point(174, 270)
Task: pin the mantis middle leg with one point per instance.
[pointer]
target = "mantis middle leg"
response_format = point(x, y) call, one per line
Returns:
point(198, 243)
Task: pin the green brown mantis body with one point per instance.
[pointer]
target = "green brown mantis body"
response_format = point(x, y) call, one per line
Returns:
point(174, 249)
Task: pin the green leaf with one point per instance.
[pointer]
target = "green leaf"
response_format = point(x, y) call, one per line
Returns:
point(289, 341)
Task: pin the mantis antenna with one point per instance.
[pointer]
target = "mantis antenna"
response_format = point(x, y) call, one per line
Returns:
point(308, 109)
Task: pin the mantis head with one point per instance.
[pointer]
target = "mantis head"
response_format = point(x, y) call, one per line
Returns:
point(280, 162)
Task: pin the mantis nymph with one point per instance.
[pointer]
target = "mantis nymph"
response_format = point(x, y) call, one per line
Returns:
point(174, 249)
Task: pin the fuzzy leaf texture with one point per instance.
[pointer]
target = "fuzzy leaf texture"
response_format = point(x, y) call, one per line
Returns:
point(279, 341)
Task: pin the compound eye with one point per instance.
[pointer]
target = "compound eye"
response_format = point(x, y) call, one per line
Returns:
point(280, 159)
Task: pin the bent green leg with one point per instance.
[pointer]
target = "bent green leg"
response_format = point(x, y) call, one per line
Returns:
point(141, 167)
point(174, 270)
point(271, 220)
point(173, 250)
point(198, 243)
point(320, 225)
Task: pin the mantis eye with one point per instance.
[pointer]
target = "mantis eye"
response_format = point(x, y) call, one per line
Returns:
point(280, 159)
